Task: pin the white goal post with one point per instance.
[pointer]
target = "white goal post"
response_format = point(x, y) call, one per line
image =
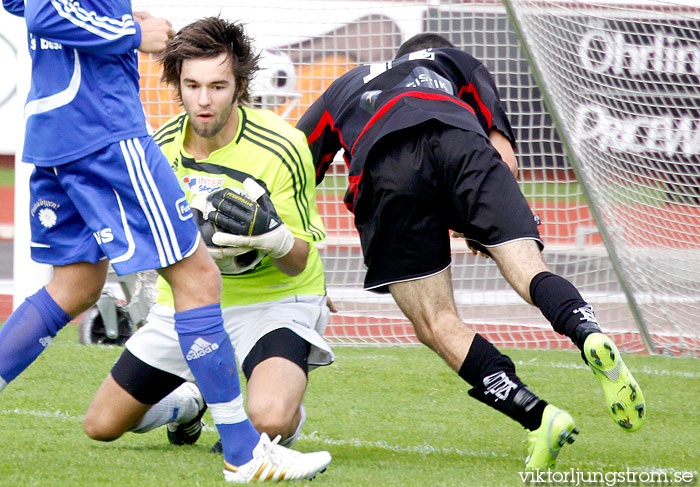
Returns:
point(308, 43)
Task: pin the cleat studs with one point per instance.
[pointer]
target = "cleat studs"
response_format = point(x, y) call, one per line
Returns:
point(612, 355)
point(620, 407)
point(612, 406)
point(608, 346)
point(633, 394)
point(625, 423)
point(571, 439)
point(575, 431)
point(640, 410)
point(596, 359)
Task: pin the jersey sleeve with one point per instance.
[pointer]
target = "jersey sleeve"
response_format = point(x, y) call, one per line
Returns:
point(294, 195)
point(15, 7)
point(481, 93)
point(322, 136)
point(96, 27)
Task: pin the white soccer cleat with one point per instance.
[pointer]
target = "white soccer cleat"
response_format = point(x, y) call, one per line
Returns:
point(272, 462)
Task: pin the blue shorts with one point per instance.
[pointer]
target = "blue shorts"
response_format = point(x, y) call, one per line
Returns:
point(123, 203)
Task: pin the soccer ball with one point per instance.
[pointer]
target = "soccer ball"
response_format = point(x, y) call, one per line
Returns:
point(236, 264)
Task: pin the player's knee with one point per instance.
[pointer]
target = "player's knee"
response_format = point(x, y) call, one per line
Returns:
point(437, 328)
point(273, 417)
point(207, 284)
point(91, 296)
point(100, 428)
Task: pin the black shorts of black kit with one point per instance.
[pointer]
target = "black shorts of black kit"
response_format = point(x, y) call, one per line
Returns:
point(422, 182)
point(148, 384)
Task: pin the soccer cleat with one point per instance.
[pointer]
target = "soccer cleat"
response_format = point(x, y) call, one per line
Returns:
point(188, 433)
point(272, 462)
point(623, 395)
point(545, 443)
point(217, 448)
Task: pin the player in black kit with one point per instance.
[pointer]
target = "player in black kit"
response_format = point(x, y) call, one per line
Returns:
point(430, 149)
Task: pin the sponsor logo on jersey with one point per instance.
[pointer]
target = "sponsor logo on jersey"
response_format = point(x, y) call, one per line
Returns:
point(203, 184)
point(45, 341)
point(422, 77)
point(43, 44)
point(499, 385)
point(183, 209)
point(47, 217)
point(200, 348)
point(103, 236)
point(45, 210)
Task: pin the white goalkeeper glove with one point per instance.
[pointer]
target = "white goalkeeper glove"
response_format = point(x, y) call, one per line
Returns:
point(249, 222)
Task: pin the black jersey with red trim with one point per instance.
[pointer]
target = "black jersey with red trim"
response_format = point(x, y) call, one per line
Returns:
point(371, 101)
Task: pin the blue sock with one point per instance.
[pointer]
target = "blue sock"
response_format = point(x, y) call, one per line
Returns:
point(27, 332)
point(209, 354)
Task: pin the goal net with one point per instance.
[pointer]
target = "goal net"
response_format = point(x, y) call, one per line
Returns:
point(622, 83)
point(646, 195)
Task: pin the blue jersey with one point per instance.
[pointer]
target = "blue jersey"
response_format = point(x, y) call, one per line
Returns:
point(85, 91)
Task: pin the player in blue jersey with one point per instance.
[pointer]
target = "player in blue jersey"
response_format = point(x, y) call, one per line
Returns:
point(94, 201)
point(430, 149)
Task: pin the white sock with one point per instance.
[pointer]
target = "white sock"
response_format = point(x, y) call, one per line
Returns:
point(180, 406)
point(287, 442)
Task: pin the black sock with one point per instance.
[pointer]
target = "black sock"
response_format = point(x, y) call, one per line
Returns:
point(562, 304)
point(494, 382)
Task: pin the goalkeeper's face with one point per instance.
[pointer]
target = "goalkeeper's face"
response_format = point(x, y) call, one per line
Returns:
point(208, 90)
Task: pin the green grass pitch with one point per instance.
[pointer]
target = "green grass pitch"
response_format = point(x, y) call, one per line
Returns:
point(389, 416)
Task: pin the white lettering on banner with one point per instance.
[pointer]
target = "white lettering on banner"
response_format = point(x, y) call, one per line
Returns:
point(602, 51)
point(637, 134)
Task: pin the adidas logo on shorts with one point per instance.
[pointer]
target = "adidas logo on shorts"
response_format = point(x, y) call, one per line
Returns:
point(200, 348)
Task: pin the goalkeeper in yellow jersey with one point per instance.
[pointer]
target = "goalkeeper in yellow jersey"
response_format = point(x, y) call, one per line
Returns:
point(251, 176)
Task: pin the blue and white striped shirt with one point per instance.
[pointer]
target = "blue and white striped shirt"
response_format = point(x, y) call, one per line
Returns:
point(85, 91)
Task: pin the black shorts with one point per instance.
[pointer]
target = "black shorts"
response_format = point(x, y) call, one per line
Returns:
point(149, 385)
point(422, 182)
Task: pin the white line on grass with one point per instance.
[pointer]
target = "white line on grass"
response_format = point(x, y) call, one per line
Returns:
point(644, 369)
point(58, 414)
point(383, 445)
point(424, 449)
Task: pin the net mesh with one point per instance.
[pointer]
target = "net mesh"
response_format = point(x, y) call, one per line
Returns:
point(307, 44)
point(623, 79)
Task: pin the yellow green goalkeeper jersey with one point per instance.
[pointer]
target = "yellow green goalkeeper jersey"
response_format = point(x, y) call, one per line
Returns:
point(273, 152)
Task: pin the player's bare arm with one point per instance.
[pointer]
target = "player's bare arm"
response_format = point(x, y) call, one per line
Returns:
point(294, 262)
point(155, 32)
point(505, 149)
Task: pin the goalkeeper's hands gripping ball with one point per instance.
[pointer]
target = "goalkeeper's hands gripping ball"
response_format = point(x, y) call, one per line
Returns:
point(248, 221)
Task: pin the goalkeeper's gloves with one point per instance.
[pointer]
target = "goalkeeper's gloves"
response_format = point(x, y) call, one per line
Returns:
point(250, 222)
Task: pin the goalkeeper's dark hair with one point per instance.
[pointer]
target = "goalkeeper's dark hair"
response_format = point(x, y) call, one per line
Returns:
point(422, 41)
point(205, 39)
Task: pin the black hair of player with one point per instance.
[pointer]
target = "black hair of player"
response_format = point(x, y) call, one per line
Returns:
point(205, 39)
point(422, 41)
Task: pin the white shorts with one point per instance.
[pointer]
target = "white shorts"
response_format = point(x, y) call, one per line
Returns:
point(156, 343)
